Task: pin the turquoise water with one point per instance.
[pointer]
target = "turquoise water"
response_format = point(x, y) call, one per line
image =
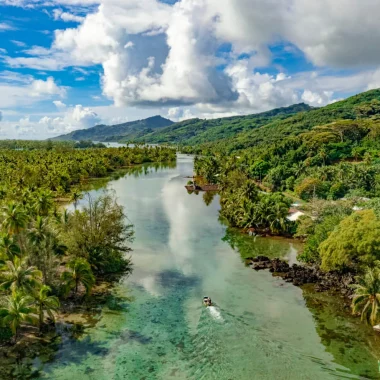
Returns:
point(260, 328)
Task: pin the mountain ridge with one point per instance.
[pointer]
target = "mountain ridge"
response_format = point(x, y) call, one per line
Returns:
point(129, 130)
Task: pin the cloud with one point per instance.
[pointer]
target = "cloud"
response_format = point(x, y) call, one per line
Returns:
point(59, 104)
point(206, 55)
point(18, 43)
point(59, 14)
point(77, 117)
point(40, 88)
point(30, 4)
point(5, 27)
point(178, 114)
point(18, 90)
point(1, 116)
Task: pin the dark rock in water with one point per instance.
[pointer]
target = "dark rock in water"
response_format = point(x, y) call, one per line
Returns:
point(261, 265)
point(300, 275)
point(261, 259)
point(280, 266)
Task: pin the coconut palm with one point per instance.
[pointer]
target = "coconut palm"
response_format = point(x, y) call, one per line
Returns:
point(39, 232)
point(18, 309)
point(75, 196)
point(14, 218)
point(367, 295)
point(43, 202)
point(45, 303)
point(17, 275)
point(80, 273)
point(8, 248)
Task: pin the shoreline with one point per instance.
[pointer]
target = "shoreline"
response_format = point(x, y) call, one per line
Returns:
point(299, 275)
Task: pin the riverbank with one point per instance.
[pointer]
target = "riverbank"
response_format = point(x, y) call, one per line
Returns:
point(267, 328)
point(300, 275)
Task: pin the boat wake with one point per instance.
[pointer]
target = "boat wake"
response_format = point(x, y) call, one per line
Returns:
point(215, 313)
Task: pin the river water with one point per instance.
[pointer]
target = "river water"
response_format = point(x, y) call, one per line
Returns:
point(260, 327)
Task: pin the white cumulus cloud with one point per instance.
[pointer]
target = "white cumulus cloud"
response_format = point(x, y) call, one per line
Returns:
point(59, 14)
point(77, 117)
point(208, 54)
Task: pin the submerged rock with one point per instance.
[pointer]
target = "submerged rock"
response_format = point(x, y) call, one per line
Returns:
point(300, 275)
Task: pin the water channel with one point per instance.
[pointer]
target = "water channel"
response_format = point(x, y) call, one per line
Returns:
point(260, 328)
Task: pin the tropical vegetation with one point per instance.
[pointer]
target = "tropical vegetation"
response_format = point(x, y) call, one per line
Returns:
point(50, 254)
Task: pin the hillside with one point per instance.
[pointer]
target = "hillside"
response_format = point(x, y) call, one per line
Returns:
point(120, 132)
point(198, 131)
point(241, 132)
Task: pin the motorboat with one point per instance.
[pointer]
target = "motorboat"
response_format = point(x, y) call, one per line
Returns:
point(207, 301)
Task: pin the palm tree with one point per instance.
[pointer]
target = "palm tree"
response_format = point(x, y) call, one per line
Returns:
point(44, 202)
point(75, 196)
point(367, 295)
point(46, 303)
point(18, 276)
point(323, 155)
point(18, 309)
point(39, 232)
point(8, 248)
point(14, 218)
point(80, 272)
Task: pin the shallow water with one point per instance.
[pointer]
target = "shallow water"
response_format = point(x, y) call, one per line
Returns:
point(260, 327)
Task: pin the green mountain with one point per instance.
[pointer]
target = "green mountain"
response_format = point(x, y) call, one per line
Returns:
point(241, 132)
point(120, 132)
point(198, 131)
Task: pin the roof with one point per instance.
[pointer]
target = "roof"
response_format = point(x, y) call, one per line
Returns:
point(295, 215)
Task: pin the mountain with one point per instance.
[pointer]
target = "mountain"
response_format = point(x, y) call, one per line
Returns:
point(197, 131)
point(241, 132)
point(119, 132)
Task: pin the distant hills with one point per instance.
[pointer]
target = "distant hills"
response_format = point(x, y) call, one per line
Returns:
point(198, 131)
point(264, 129)
point(129, 131)
point(234, 133)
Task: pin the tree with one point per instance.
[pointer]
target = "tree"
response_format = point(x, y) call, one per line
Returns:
point(311, 187)
point(18, 309)
point(14, 218)
point(43, 202)
point(75, 197)
point(39, 231)
point(9, 248)
point(99, 230)
point(18, 276)
point(355, 241)
point(80, 273)
point(367, 295)
point(45, 303)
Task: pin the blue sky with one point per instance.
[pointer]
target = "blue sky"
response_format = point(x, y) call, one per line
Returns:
point(69, 64)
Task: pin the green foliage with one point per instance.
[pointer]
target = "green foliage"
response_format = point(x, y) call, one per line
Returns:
point(356, 240)
point(367, 295)
point(18, 309)
point(99, 234)
point(84, 144)
point(79, 273)
point(45, 303)
point(196, 131)
point(59, 171)
point(245, 207)
point(37, 238)
point(129, 131)
point(17, 275)
point(326, 216)
point(310, 188)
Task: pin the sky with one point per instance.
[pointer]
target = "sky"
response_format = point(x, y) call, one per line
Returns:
point(72, 64)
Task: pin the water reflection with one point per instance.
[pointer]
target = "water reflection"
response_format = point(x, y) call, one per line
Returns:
point(252, 246)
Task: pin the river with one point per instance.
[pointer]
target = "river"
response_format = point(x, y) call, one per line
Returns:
point(157, 327)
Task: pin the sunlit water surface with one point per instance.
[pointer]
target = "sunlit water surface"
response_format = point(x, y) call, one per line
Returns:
point(260, 327)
